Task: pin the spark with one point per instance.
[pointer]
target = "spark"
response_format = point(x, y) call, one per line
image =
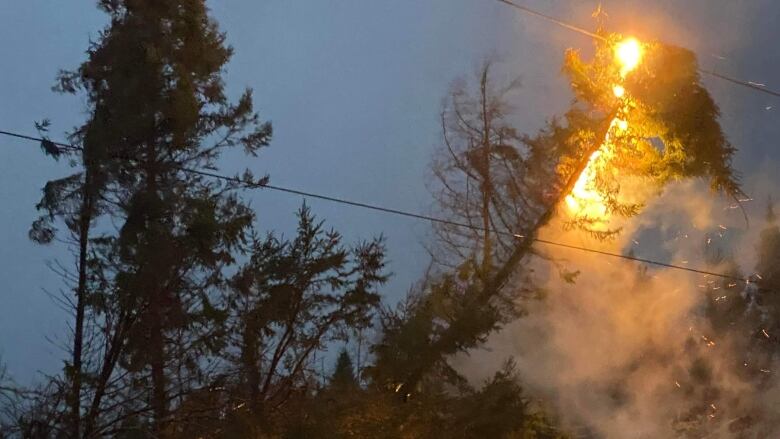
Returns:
point(678, 385)
point(757, 84)
point(768, 107)
point(722, 227)
point(619, 91)
point(766, 334)
point(628, 53)
point(766, 371)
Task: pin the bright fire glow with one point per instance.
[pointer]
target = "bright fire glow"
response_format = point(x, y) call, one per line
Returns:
point(628, 53)
point(585, 199)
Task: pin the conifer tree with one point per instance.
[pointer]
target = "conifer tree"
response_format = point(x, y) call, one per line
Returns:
point(290, 300)
point(660, 125)
point(343, 376)
point(157, 112)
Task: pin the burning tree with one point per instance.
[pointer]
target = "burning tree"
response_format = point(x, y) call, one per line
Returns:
point(640, 114)
point(663, 125)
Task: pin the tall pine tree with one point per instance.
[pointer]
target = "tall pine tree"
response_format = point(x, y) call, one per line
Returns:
point(157, 111)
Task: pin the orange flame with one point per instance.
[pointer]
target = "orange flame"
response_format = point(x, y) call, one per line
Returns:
point(585, 199)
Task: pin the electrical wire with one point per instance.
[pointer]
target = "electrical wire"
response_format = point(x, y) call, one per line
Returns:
point(580, 30)
point(398, 212)
point(553, 20)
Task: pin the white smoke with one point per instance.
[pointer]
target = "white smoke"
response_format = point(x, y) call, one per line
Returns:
point(612, 353)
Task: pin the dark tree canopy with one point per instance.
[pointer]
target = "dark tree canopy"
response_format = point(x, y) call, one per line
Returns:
point(343, 376)
point(189, 321)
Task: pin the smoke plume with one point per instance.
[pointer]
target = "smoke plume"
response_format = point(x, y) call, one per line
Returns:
point(626, 349)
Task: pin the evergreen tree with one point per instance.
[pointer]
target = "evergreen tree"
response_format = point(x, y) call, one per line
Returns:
point(343, 377)
point(75, 201)
point(480, 174)
point(158, 111)
point(662, 99)
point(290, 300)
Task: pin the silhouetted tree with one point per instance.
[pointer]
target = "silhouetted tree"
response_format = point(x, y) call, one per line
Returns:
point(153, 82)
point(74, 201)
point(479, 174)
point(663, 99)
point(343, 376)
point(292, 299)
point(189, 324)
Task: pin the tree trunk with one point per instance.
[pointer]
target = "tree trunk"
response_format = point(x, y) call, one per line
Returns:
point(157, 352)
point(249, 360)
point(487, 184)
point(81, 292)
point(449, 342)
point(110, 359)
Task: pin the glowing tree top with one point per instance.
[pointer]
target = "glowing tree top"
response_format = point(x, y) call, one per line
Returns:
point(640, 112)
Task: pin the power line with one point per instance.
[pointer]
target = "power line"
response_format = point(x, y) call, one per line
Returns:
point(636, 259)
point(451, 223)
point(377, 208)
point(740, 82)
point(398, 212)
point(553, 20)
point(590, 34)
point(38, 139)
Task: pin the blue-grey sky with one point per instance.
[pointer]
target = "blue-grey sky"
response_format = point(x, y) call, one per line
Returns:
point(353, 88)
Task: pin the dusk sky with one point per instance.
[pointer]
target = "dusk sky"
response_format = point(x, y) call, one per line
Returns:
point(353, 88)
